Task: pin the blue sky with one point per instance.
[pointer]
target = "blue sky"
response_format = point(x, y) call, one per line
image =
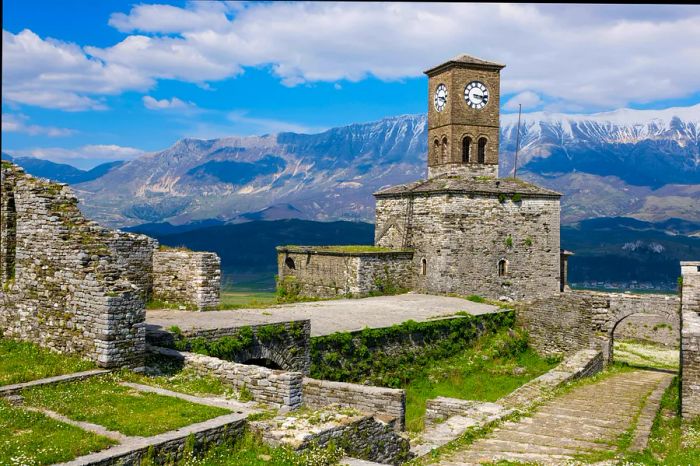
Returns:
point(90, 81)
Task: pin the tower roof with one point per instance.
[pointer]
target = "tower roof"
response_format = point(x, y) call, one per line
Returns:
point(466, 61)
point(459, 185)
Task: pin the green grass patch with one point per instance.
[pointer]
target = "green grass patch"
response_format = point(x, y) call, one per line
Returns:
point(247, 299)
point(23, 362)
point(101, 400)
point(495, 366)
point(29, 438)
point(643, 354)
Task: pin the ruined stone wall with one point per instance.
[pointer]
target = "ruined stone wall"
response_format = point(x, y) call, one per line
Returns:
point(462, 238)
point(326, 274)
point(191, 278)
point(269, 386)
point(68, 283)
point(390, 402)
point(690, 341)
point(576, 320)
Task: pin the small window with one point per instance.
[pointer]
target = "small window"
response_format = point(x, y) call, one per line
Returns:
point(436, 151)
point(466, 148)
point(502, 268)
point(423, 266)
point(482, 150)
point(289, 262)
point(445, 156)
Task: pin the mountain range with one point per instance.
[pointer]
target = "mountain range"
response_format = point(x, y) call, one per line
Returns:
point(643, 164)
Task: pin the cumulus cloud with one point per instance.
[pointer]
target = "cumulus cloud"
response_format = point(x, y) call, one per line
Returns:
point(527, 99)
point(595, 56)
point(152, 103)
point(84, 157)
point(18, 123)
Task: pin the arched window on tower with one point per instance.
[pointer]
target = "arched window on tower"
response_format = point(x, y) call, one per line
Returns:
point(423, 266)
point(502, 268)
point(436, 151)
point(481, 156)
point(466, 148)
point(445, 156)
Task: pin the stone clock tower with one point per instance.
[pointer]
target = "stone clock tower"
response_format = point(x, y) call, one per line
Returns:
point(463, 118)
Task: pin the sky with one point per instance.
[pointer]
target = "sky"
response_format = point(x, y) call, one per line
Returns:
point(84, 82)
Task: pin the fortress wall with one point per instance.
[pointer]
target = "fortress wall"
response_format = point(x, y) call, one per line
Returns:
point(66, 281)
point(187, 277)
point(690, 341)
point(463, 237)
point(327, 274)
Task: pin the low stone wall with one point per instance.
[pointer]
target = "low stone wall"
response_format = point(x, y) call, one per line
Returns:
point(272, 387)
point(390, 402)
point(690, 341)
point(189, 277)
point(576, 320)
point(440, 408)
point(67, 283)
point(286, 344)
point(323, 273)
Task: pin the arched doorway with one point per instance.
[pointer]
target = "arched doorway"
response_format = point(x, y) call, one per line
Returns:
point(631, 341)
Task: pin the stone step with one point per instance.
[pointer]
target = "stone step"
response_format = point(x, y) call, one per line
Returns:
point(567, 418)
point(497, 445)
point(571, 432)
point(548, 439)
point(482, 457)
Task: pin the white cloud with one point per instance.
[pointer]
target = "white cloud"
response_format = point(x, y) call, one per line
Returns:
point(18, 123)
point(165, 104)
point(595, 56)
point(527, 99)
point(98, 152)
point(253, 125)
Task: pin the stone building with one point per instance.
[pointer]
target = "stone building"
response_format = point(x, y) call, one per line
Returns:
point(470, 232)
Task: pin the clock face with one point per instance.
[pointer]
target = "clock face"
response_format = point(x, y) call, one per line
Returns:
point(476, 95)
point(440, 99)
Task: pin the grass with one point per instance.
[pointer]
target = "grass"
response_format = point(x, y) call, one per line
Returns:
point(495, 366)
point(23, 362)
point(29, 438)
point(638, 354)
point(247, 299)
point(101, 400)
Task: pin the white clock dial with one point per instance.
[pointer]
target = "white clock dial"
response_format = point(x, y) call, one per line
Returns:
point(476, 94)
point(440, 99)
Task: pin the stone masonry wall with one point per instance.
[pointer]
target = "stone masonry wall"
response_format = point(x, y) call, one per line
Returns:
point(325, 274)
point(390, 402)
point(576, 320)
point(462, 238)
point(269, 386)
point(67, 283)
point(189, 277)
point(690, 341)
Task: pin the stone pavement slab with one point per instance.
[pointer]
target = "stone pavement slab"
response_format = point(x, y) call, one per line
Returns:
point(7, 390)
point(338, 315)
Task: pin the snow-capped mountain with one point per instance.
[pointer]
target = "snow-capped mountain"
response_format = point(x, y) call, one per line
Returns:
point(641, 163)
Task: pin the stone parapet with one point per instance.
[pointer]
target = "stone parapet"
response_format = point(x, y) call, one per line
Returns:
point(192, 278)
point(690, 341)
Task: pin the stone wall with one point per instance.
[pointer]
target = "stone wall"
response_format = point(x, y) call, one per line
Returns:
point(576, 320)
point(68, 283)
point(690, 341)
point(389, 402)
point(187, 277)
point(285, 344)
point(656, 329)
point(318, 272)
point(462, 238)
point(269, 386)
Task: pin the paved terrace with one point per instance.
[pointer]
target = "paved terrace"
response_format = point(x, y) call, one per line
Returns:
point(340, 315)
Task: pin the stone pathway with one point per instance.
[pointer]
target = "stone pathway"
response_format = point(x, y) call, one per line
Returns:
point(336, 315)
point(588, 419)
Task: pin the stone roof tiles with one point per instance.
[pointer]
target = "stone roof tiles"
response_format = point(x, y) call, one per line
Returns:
point(465, 60)
point(481, 185)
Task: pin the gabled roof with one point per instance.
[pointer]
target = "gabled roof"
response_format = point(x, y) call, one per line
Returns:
point(465, 60)
point(482, 185)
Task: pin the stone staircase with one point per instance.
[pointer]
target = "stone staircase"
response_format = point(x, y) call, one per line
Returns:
point(588, 419)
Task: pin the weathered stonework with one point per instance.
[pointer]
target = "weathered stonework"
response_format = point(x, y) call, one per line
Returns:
point(192, 278)
point(68, 283)
point(578, 320)
point(690, 341)
point(389, 402)
point(284, 344)
point(309, 271)
point(272, 387)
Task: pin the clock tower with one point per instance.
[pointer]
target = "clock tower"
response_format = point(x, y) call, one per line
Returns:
point(463, 118)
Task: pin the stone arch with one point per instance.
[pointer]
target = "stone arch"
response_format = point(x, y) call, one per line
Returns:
point(436, 151)
point(423, 267)
point(466, 149)
point(289, 262)
point(503, 267)
point(481, 149)
point(266, 356)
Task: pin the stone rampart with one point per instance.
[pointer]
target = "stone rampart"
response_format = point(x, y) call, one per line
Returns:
point(690, 341)
point(389, 402)
point(327, 273)
point(191, 278)
point(575, 320)
point(68, 283)
point(272, 387)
